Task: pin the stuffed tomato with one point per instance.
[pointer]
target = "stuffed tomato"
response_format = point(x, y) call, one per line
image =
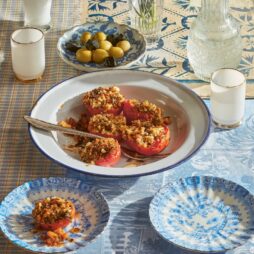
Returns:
point(107, 125)
point(141, 110)
point(146, 138)
point(104, 152)
point(53, 213)
point(104, 100)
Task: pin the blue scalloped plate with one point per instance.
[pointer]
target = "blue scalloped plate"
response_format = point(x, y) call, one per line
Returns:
point(202, 213)
point(136, 39)
point(16, 221)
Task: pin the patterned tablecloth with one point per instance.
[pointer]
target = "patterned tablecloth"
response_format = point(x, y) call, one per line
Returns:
point(228, 154)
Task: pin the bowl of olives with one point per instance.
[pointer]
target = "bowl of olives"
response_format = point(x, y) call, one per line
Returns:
point(101, 45)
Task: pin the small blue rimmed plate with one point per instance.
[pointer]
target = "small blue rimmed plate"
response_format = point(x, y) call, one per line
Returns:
point(137, 41)
point(16, 221)
point(202, 213)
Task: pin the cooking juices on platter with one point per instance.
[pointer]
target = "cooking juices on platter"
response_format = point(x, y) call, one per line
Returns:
point(138, 125)
point(52, 215)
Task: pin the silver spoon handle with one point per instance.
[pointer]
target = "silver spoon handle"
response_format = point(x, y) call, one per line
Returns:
point(54, 127)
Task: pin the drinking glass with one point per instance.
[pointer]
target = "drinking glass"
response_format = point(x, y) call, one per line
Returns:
point(37, 13)
point(146, 17)
point(227, 98)
point(28, 53)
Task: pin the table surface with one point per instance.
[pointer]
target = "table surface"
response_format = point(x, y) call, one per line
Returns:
point(227, 154)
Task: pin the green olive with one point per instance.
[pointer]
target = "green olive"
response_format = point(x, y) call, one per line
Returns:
point(106, 45)
point(84, 55)
point(116, 52)
point(100, 36)
point(124, 45)
point(99, 55)
point(86, 36)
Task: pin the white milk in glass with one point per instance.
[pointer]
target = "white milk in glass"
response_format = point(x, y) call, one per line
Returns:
point(28, 53)
point(37, 12)
point(227, 97)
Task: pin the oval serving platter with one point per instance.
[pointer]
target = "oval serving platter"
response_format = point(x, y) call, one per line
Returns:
point(137, 41)
point(189, 129)
point(203, 213)
point(16, 220)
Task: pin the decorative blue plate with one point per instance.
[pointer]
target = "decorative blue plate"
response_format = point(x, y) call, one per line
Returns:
point(16, 221)
point(203, 213)
point(137, 41)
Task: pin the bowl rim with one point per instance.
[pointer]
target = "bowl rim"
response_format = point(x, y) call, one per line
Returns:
point(84, 66)
point(203, 140)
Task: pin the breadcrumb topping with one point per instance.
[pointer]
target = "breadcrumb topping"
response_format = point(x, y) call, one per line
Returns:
point(145, 107)
point(97, 149)
point(107, 124)
point(149, 108)
point(143, 132)
point(54, 238)
point(51, 210)
point(105, 98)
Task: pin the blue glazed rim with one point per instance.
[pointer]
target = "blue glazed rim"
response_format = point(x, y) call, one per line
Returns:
point(74, 179)
point(83, 66)
point(168, 185)
point(136, 175)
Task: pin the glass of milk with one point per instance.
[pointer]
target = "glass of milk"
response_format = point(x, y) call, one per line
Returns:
point(37, 13)
point(227, 98)
point(28, 54)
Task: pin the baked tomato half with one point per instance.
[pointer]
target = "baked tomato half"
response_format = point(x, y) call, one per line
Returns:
point(94, 111)
point(141, 110)
point(104, 152)
point(104, 100)
point(146, 138)
point(107, 125)
point(62, 223)
point(53, 213)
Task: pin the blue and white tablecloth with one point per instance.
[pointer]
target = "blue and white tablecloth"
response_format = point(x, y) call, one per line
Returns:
point(227, 154)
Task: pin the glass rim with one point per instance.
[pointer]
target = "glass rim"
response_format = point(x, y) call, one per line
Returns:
point(27, 43)
point(212, 78)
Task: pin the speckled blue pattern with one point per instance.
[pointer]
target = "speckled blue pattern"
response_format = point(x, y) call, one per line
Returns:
point(203, 213)
point(137, 41)
point(16, 221)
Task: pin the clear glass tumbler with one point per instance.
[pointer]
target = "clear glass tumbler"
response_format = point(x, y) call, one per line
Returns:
point(227, 98)
point(37, 13)
point(146, 16)
point(28, 53)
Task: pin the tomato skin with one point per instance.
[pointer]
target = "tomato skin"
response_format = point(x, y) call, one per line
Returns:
point(111, 159)
point(154, 148)
point(53, 226)
point(62, 223)
point(131, 113)
point(95, 111)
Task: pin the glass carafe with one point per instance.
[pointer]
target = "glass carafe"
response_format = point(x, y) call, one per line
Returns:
point(214, 41)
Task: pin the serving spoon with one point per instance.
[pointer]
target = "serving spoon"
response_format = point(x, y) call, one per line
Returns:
point(55, 127)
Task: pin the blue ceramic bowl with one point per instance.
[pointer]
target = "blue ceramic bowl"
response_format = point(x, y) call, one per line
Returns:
point(202, 213)
point(137, 41)
point(16, 220)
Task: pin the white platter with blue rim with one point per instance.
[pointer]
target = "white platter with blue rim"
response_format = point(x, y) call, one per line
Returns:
point(137, 41)
point(202, 213)
point(16, 221)
point(189, 129)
